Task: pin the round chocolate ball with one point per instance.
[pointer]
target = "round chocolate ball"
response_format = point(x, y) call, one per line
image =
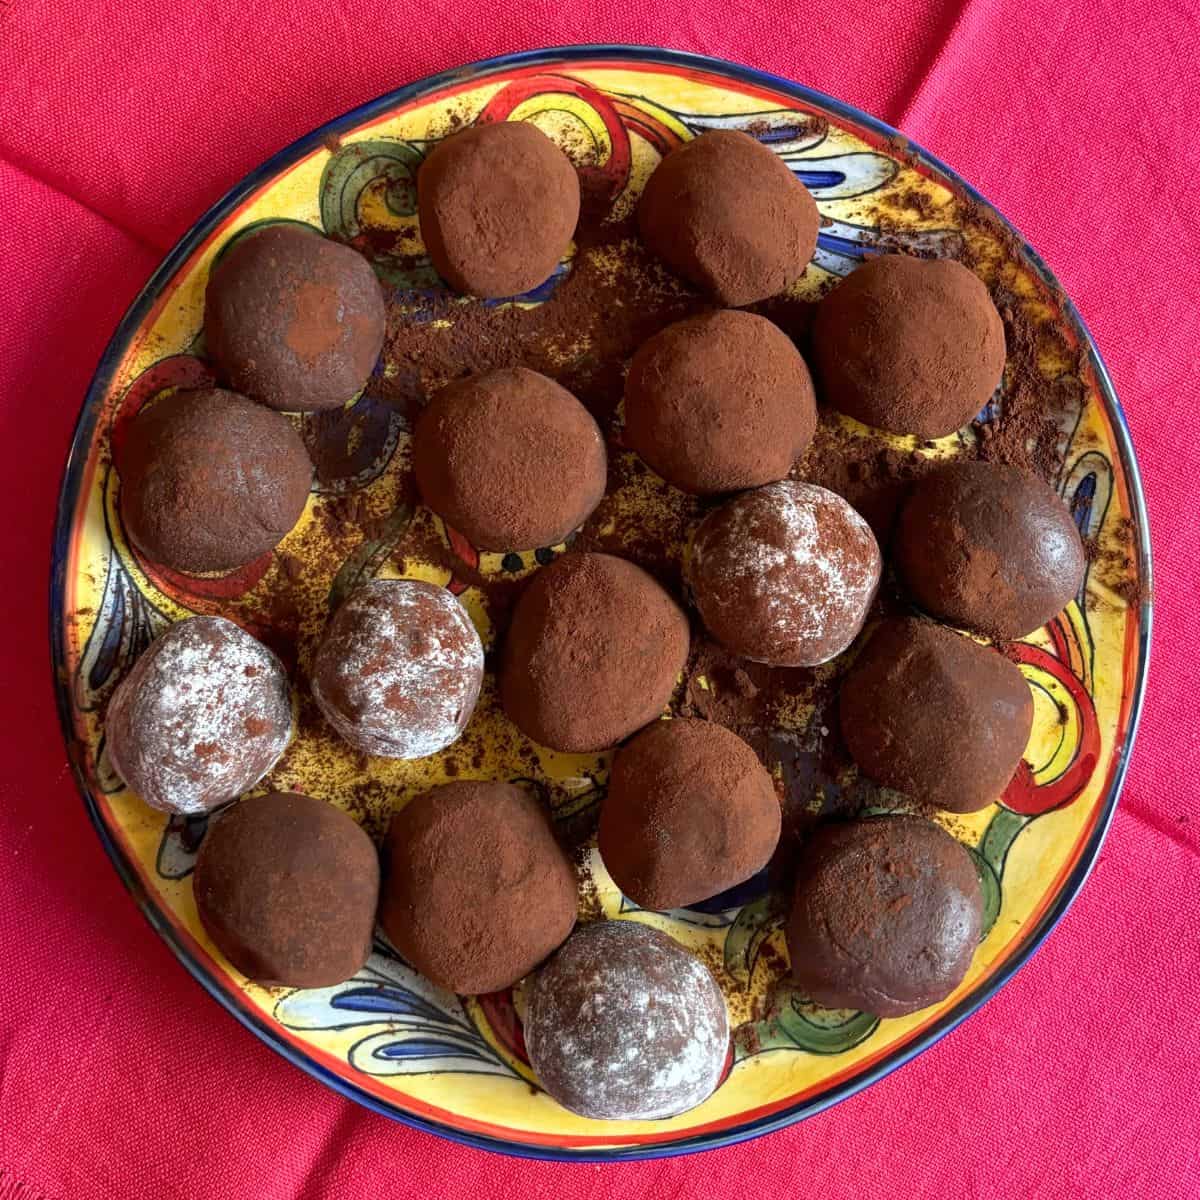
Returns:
point(593, 653)
point(989, 547)
point(935, 715)
point(293, 319)
point(909, 345)
point(398, 672)
point(287, 887)
point(476, 891)
point(784, 574)
point(498, 206)
point(210, 480)
point(727, 214)
point(719, 403)
point(690, 811)
point(623, 1024)
point(886, 916)
point(509, 459)
point(203, 715)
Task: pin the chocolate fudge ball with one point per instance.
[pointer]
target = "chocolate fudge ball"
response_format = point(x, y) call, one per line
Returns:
point(293, 319)
point(886, 916)
point(989, 547)
point(509, 459)
point(935, 715)
point(205, 713)
point(719, 402)
point(498, 206)
point(593, 653)
point(398, 672)
point(690, 811)
point(477, 891)
point(210, 480)
point(624, 1025)
point(784, 574)
point(909, 345)
point(287, 887)
point(726, 214)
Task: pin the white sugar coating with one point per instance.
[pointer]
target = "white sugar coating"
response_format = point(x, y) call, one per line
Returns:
point(623, 1024)
point(399, 671)
point(792, 566)
point(203, 716)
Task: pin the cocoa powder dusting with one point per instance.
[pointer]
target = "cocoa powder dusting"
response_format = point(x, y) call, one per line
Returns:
point(612, 297)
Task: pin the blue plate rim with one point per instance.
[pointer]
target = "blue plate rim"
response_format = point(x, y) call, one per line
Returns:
point(71, 486)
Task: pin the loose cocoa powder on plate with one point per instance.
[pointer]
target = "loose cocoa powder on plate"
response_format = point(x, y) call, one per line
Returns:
point(614, 296)
point(612, 299)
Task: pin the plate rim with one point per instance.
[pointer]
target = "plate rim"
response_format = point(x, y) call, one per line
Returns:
point(75, 468)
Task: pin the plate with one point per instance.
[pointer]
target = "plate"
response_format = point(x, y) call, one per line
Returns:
point(457, 1066)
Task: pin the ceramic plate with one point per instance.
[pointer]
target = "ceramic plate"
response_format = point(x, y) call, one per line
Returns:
point(388, 1039)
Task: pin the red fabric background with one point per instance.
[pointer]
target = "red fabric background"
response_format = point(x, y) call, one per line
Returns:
point(120, 123)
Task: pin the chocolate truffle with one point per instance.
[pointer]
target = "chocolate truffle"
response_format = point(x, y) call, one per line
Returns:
point(909, 345)
point(287, 887)
point(593, 653)
point(293, 319)
point(204, 714)
point(935, 715)
point(398, 672)
point(690, 811)
point(498, 206)
point(784, 574)
point(509, 459)
point(477, 891)
point(728, 215)
point(989, 547)
point(886, 916)
point(210, 480)
point(719, 402)
point(623, 1024)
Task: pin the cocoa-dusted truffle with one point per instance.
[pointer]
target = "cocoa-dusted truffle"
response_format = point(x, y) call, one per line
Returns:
point(510, 459)
point(909, 345)
point(593, 653)
point(398, 672)
point(623, 1024)
point(203, 715)
point(935, 715)
point(477, 891)
point(725, 212)
point(690, 811)
point(886, 916)
point(287, 887)
point(719, 402)
point(498, 206)
point(210, 480)
point(784, 574)
point(989, 547)
point(293, 319)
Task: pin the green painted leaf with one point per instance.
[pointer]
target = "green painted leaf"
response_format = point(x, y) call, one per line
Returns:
point(751, 927)
point(989, 882)
point(999, 836)
point(823, 1030)
point(354, 168)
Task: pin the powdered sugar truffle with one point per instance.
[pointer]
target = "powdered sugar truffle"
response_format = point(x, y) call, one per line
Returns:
point(399, 671)
point(623, 1024)
point(203, 716)
point(784, 574)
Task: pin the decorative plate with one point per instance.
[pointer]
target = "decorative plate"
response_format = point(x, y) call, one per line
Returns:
point(388, 1039)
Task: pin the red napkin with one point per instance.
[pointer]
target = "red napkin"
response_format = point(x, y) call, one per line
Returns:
point(120, 123)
